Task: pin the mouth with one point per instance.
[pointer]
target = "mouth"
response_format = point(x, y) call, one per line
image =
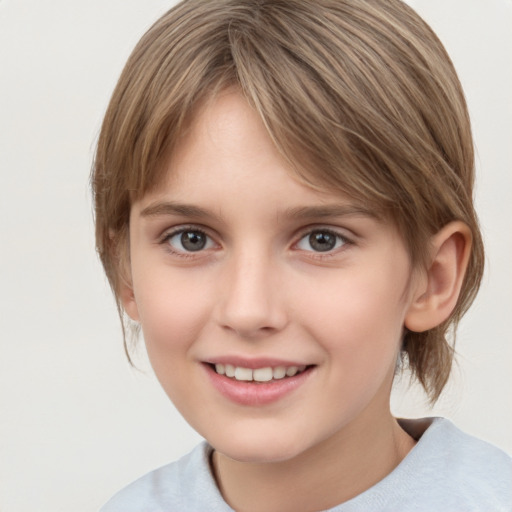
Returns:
point(258, 375)
point(257, 381)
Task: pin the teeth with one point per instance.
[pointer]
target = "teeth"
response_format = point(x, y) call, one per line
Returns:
point(243, 373)
point(259, 374)
point(279, 372)
point(291, 371)
point(262, 374)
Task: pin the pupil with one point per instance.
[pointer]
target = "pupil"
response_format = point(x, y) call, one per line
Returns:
point(193, 241)
point(321, 241)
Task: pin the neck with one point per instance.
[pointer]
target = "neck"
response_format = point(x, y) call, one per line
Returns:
point(329, 473)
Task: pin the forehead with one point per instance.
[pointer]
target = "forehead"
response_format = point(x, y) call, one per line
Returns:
point(227, 151)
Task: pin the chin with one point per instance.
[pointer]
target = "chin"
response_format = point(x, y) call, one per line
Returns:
point(259, 449)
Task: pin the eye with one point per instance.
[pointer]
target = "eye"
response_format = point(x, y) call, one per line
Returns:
point(321, 240)
point(189, 240)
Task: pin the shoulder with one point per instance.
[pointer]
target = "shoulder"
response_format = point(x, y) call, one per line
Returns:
point(450, 470)
point(186, 484)
point(447, 471)
point(466, 458)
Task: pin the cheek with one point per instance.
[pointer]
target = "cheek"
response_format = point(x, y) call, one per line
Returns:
point(358, 321)
point(172, 313)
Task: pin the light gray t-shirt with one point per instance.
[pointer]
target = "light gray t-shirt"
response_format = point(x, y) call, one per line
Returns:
point(447, 471)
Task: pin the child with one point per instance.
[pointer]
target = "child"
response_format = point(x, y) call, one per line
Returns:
point(283, 196)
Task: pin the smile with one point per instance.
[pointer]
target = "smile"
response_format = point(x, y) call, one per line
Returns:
point(264, 383)
point(265, 374)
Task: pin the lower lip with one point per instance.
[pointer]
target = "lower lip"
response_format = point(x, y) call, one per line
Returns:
point(256, 393)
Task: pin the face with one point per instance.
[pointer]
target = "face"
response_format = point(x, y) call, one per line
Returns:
point(272, 312)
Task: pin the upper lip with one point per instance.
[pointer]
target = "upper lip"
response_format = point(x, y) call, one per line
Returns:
point(254, 363)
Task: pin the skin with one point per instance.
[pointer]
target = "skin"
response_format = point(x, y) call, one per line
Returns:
point(259, 288)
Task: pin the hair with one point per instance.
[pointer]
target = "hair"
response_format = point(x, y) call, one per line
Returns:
point(358, 95)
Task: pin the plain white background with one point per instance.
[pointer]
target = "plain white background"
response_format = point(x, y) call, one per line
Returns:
point(76, 423)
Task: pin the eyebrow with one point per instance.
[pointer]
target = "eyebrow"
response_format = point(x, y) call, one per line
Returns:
point(329, 211)
point(172, 208)
point(162, 208)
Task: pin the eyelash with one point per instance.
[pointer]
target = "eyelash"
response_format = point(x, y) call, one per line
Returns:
point(345, 241)
point(165, 240)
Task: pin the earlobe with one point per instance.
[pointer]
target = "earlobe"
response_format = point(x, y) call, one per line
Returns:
point(120, 247)
point(437, 293)
point(128, 300)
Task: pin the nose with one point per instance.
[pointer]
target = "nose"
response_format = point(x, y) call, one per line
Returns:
point(251, 299)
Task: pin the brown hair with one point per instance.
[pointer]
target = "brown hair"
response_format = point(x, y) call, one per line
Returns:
point(358, 95)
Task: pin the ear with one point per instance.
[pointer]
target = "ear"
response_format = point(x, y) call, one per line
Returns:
point(127, 298)
point(121, 250)
point(438, 290)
